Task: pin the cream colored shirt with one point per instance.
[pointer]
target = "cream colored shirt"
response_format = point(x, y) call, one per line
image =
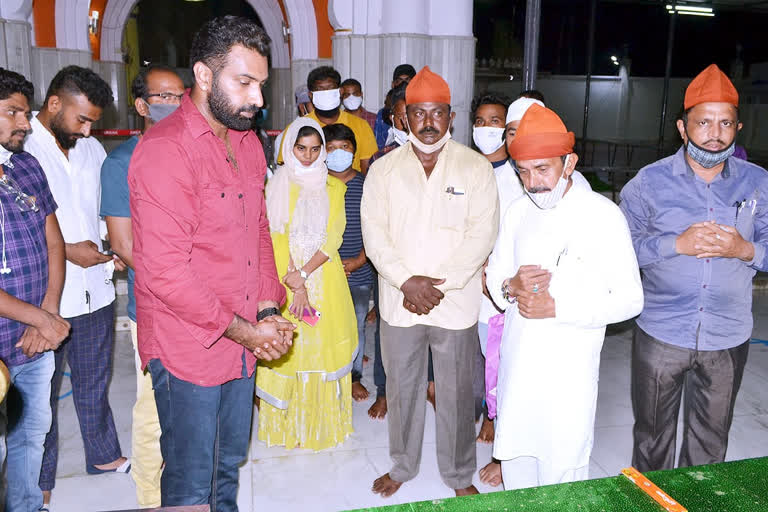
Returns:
point(442, 227)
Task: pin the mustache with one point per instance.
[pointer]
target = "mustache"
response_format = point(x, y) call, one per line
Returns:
point(427, 130)
point(253, 109)
point(715, 140)
point(19, 132)
point(537, 190)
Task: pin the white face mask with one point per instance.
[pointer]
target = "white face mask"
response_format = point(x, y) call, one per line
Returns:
point(398, 136)
point(488, 139)
point(353, 102)
point(548, 200)
point(429, 148)
point(326, 100)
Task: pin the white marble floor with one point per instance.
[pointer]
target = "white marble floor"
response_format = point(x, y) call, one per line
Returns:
point(340, 479)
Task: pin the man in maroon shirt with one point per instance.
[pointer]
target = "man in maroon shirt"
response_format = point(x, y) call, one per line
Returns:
point(207, 292)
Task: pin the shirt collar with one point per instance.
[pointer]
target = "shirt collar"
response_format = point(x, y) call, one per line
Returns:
point(198, 125)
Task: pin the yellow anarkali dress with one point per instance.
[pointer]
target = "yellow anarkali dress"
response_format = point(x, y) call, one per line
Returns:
point(306, 397)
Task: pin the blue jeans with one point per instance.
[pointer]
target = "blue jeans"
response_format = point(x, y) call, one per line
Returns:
point(204, 440)
point(361, 297)
point(26, 419)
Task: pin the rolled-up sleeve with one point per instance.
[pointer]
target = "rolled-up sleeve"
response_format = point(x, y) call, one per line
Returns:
point(165, 209)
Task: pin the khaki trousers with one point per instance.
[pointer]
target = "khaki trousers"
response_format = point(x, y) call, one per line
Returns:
point(404, 352)
point(146, 459)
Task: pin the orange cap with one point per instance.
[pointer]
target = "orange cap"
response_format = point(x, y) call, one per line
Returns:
point(710, 86)
point(541, 134)
point(427, 87)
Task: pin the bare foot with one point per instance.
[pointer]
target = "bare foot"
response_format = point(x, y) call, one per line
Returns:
point(431, 394)
point(370, 318)
point(257, 402)
point(386, 486)
point(379, 408)
point(359, 393)
point(491, 474)
point(112, 465)
point(466, 492)
point(486, 432)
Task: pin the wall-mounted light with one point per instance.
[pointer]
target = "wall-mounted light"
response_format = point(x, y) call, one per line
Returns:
point(615, 60)
point(690, 10)
point(93, 22)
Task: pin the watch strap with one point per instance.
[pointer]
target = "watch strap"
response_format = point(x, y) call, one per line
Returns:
point(267, 312)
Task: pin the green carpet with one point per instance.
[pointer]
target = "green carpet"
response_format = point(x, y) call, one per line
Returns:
point(740, 486)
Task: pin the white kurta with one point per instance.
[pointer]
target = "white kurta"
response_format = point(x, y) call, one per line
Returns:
point(510, 188)
point(547, 388)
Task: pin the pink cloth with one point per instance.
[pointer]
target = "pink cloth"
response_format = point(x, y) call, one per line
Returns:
point(495, 330)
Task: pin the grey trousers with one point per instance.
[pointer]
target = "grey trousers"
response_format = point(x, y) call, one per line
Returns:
point(404, 352)
point(711, 380)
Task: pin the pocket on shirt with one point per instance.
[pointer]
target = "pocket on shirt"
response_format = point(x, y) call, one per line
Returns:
point(453, 212)
point(744, 221)
point(223, 206)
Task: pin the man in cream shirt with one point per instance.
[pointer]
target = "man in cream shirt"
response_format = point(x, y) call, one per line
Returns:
point(430, 217)
point(71, 160)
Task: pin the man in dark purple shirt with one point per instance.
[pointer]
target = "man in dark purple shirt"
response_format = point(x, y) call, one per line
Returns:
point(31, 280)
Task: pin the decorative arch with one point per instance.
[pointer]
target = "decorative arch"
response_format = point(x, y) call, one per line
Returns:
point(301, 15)
point(117, 12)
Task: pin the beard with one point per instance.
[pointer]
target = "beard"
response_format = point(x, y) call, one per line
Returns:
point(12, 145)
point(66, 139)
point(226, 113)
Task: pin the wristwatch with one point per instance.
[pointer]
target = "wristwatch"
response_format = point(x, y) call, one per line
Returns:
point(267, 312)
point(303, 274)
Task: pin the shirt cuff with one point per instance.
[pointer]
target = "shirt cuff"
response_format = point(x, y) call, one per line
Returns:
point(667, 247)
point(758, 256)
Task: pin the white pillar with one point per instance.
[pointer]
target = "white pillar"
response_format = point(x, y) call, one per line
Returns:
point(374, 36)
point(16, 36)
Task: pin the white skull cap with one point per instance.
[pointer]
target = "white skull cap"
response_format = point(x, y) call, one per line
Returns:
point(519, 107)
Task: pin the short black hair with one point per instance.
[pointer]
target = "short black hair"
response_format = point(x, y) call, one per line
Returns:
point(534, 94)
point(397, 94)
point(76, 80)
point(139, 86)
point(489, 99)
point(216, 38)
point(403, 69)
point(339, 131)
point(352, 81)
point(323, 73)
point(12, 83)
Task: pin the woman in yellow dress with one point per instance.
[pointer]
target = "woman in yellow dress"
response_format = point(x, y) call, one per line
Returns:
point(306, 398)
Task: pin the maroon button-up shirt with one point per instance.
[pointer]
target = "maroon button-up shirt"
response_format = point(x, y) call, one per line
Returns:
point(201, 245)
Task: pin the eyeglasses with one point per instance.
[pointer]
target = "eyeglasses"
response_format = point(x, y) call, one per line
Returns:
point(26, 203)
point(166, 96)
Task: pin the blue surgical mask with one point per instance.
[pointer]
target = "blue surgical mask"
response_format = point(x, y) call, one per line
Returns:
point(339, 160)
point(708, 158)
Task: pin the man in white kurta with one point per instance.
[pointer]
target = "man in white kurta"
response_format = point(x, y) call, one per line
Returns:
point(564, 268)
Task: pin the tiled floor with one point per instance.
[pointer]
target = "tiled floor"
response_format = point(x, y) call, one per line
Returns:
point(339, 479)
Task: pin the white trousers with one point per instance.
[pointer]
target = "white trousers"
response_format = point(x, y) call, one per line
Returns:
point(524, 472)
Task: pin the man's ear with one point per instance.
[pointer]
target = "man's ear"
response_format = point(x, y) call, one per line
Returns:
point(141, 107)
point(203, 76)
point(570, 166)
point(54, 104)
point(681, 128)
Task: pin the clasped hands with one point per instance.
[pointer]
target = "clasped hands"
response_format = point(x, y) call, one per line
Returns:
point(711, 240)
point(420, 294)
point(530, 287)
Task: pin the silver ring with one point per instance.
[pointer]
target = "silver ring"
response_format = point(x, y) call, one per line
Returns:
point(536, 288)
point(717, 236)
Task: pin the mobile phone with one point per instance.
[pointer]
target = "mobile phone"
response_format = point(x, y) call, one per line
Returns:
point(311, 316)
